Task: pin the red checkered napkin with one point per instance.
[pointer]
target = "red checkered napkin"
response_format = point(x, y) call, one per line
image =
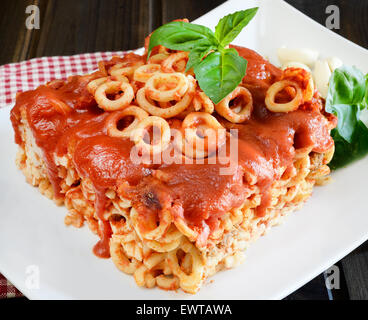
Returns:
point(7, 290)
point(28, 75)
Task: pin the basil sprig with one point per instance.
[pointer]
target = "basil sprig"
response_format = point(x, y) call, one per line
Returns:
point(218, 70)
point(347, 97)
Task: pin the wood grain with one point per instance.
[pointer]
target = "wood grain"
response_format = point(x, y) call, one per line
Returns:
point(190, 9)
point(356, 273)
point(353, 16)
point(92, 25)
point(14, 36)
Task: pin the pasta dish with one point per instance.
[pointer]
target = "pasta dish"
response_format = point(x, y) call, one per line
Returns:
point(175, 185)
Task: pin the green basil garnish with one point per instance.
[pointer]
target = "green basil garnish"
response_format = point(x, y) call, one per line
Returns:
point(347, 97)
point(218, 70)
point(231, 25)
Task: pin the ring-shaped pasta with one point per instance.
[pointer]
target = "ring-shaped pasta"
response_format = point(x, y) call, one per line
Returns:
point(94, 84)
point(157, 58)
point(302, 168)
point(156, 233)
point(170, 240)
point(143, 73)
point(119, 77)
point(276, 88)
point(169, 112)
point(145, 271)
point(167, 282)
point(140, 275)
point(169, 63)
point(192, 281)
point(174, 86)
point(163, 247)
point(123, 69)
point(327, 156)
point(113, 119)
point(213, 135)
point(303, 78)
point(110, 88)
point(102, 68)
point(185, 229)
point(303, 152)
point(140, 131)
point(223, 108)
point(118, 256)
point(171, 235)
point(203, 103)
point(59, 105)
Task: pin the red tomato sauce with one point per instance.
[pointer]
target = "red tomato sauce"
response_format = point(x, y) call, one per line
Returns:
point(196, 193)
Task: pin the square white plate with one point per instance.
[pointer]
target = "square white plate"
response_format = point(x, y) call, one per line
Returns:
point(332, 224)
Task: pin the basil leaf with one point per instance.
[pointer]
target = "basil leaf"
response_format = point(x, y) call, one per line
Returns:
point(348, 118)
point(347, 86)
point(182, 36)
point(220, 73)
point(347, 96)
point(345, 152)
point(197, 55)
point(366, 92)
point(231, 25)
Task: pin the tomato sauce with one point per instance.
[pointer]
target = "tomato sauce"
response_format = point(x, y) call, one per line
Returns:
point(196, 193)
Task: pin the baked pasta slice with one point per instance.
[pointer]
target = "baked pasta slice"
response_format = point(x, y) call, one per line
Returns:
point(175, 186)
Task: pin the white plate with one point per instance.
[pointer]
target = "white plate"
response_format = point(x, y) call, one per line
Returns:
point(332, 224)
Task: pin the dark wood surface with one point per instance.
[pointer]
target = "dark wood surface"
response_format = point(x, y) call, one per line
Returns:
point(78, 26)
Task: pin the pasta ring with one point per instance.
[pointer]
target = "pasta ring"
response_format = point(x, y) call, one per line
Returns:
point(328, 155)
point(114, 87)
point(168, 63)
point(283, 107)
point(167, 282)
point(140, 130)
point(143, 73)
point(223, 108)
point(120, 77)
point(170, 112)
point(202, 102)
point(102, 68)
point(178, 79)
point(163, 247)
point(121, 69)
point(158, 232)
point(213, 136)
point(157, 58)
point(59, 105)
point(113, 119)
point(185, 229)
point(120, 259)
point(304, 78)
point(168, 242)
point(189, 282)
point(94, 84)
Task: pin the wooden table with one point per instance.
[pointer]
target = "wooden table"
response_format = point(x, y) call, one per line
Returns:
point(78, 26)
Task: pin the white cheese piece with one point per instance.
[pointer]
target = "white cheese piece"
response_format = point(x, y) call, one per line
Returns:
point(305, 56)
point(334, 63)
point(322, 75)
